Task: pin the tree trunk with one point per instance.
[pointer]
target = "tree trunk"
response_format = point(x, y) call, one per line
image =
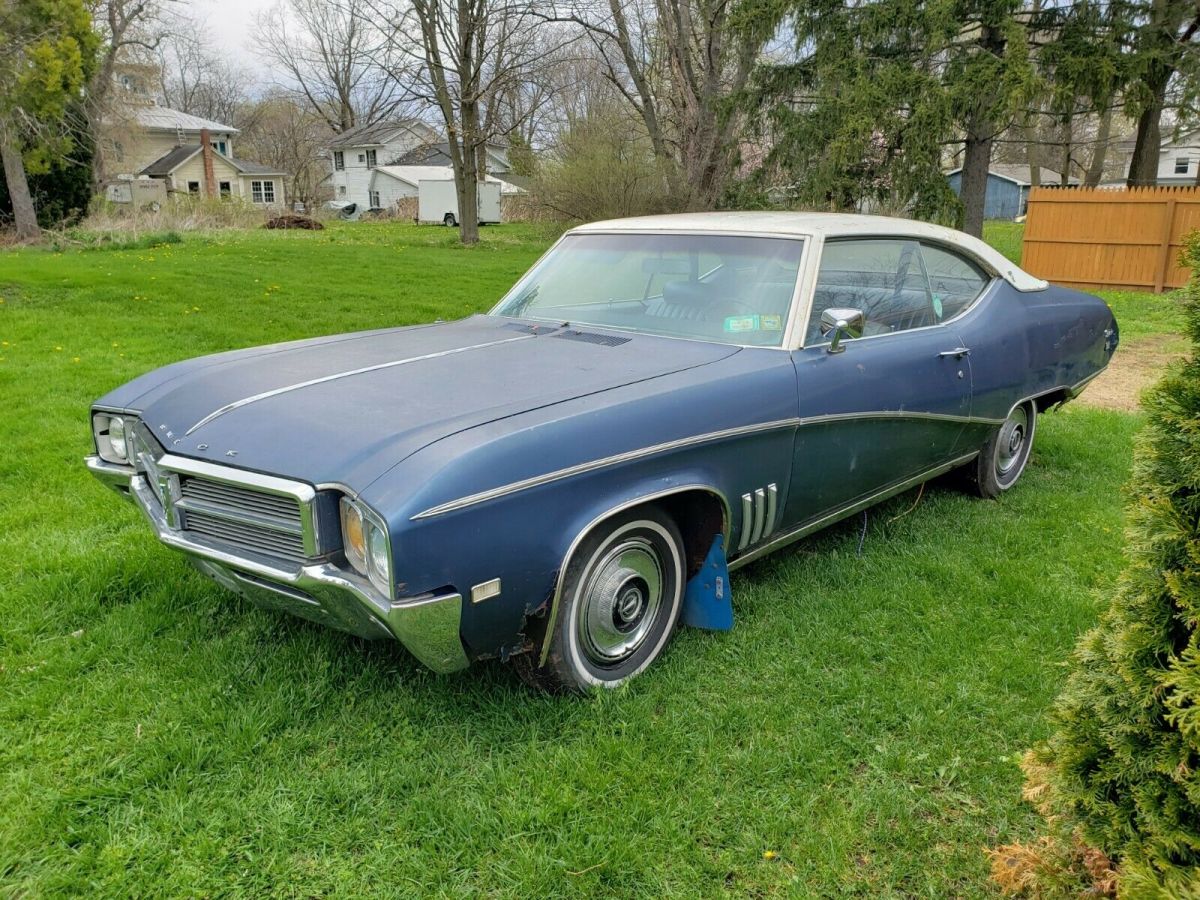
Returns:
point(24, 214)
point(973, 191)
point(1143, 166)
point(1095, 170)
point(468, 184)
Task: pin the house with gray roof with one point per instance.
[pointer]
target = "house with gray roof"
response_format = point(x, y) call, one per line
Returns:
point(356, 153)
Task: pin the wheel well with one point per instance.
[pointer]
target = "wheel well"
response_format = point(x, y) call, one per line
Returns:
point(700, 516)
point(1054, 398)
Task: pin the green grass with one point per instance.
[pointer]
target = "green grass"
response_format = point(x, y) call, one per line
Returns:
point(161, 738)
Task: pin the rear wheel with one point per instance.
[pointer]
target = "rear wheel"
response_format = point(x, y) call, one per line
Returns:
point(1005, 454)
point(620, 601)
point(449, 221)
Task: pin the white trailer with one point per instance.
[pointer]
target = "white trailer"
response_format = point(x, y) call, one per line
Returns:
point(437, 202)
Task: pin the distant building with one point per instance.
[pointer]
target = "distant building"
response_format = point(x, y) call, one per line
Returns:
point(144, 140)
point(1007, 188)
point(356, 153)
point(1178, 158)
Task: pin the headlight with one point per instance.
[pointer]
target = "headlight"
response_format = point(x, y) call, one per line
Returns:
point(112, 437)
point(365, 541)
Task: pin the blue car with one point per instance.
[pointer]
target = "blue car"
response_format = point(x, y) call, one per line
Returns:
point(559, 481)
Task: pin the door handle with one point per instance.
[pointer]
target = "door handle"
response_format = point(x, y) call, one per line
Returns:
point(957, 352)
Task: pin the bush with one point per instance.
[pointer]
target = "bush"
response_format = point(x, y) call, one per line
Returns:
point(605, 168)
point(1123, 762)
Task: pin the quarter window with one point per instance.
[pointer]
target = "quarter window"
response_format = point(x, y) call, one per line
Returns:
point(954, 282)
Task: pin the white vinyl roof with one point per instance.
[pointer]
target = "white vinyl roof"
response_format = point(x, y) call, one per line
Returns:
point(826, 225)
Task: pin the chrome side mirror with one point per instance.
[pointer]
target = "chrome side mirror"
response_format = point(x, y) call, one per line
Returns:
point(839, 323)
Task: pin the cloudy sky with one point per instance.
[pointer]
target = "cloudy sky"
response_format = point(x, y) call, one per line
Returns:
point(230, 26)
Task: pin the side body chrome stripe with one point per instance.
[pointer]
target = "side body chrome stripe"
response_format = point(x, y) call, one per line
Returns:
point(629, 456)
point(246, 401)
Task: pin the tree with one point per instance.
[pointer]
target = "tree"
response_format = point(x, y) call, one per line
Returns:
point(1120, 768)
point(285, 134)
point(195, 79)
point(861, 110)
point(47, 51)
point(681, 65)
point(461, 58)
point(1161, 39)
point(124, 27)
point(336, 56)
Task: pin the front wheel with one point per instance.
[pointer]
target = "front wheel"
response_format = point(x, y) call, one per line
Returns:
point(1004, 455)
point(620, 601)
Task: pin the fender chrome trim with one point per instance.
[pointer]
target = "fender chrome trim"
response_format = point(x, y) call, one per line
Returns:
point(254, 398)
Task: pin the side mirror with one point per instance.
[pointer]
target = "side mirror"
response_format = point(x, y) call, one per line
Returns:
point(839, 323)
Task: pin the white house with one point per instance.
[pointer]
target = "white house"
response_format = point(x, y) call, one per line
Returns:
point(1179, 158)
point(355, 154)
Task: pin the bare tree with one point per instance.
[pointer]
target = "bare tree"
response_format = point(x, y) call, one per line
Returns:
point(285, 134)
point(334, 55)
point(127, 27)
point(464, 57)
point(196, 79)
point(679, 64)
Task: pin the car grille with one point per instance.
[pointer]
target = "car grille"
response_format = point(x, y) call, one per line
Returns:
point(241, 518)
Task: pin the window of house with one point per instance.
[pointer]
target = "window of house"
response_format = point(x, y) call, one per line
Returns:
point(339, 160)
point(225, 188)
point(1182, 164)
point(361, 158)
point(341, 190)
point(220, 146)
point(370, 159)
point(262, 191)
point(194, 188)
point(373, 198)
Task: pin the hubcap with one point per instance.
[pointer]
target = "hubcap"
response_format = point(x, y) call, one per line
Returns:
point(1012, 441)
point(620, 601)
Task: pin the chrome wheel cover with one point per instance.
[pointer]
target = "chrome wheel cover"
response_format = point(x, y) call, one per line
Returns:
point(620, 602)
point(1011, 444)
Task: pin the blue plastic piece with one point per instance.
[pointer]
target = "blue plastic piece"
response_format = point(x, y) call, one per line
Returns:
point(706, 599)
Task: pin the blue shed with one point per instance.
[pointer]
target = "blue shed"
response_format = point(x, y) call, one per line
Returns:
point(1007, 188)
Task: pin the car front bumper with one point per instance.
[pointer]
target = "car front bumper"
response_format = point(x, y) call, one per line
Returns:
point(427, 625)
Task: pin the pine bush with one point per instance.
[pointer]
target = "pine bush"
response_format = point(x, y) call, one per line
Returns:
point(1124, 755)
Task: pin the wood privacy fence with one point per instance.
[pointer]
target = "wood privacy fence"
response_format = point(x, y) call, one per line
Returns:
point(1094, 238)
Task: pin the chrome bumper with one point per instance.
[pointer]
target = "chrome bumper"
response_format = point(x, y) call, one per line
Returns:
point(427, 625)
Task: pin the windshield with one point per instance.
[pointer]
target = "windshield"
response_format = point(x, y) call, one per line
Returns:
point(736, 290)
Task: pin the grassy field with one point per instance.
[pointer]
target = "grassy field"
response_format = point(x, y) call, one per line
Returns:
point(856, 734)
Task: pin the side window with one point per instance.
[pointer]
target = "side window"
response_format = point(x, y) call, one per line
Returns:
point(954, 282)
point(883, 278)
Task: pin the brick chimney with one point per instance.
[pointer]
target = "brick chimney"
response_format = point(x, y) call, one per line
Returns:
point(206, 151)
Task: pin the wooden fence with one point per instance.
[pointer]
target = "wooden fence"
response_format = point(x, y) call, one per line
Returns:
point(1098, 238)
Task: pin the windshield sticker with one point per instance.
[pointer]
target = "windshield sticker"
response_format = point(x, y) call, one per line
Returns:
point(738, 324)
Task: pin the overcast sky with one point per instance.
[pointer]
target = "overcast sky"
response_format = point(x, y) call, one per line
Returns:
point(230, 27)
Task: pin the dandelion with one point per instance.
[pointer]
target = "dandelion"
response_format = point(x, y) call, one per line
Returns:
point(770, 854)
point(74, 359)
point(58, 349)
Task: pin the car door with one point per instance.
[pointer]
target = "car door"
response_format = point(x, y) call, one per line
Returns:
point(893, 403)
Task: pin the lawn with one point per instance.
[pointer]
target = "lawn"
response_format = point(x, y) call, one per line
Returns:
point(856, 734)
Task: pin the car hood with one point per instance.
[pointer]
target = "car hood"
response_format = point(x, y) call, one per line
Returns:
point(346, 409)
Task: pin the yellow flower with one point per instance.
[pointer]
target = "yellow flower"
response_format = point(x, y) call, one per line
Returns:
point(770, 854)
point(58, 349)
point(74, 359)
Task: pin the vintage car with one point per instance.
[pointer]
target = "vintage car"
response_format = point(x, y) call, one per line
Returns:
point(655, 395)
